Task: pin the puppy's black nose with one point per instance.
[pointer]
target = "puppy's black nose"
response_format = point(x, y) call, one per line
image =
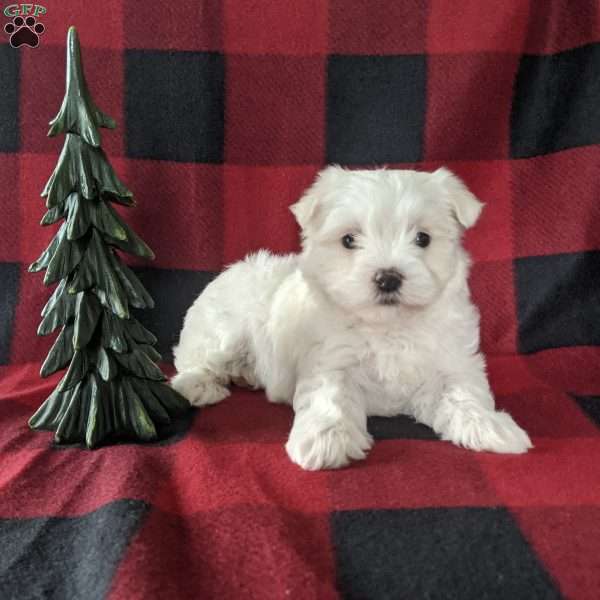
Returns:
point(388, 280)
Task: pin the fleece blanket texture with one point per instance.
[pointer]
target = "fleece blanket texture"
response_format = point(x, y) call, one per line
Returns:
point(226, 111)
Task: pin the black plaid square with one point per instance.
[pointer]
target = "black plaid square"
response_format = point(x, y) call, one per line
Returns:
point(590, 406)
point(66, 557)
point(9, 276)
point(556, 102)
point(462, 553)
point(375, 108)
point(173, 291)
point(174, 105)
point(557, 300)
point(398, 428)
point(9, 98)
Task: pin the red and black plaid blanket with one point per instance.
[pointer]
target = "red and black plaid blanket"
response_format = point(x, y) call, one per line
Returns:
point(226, 111)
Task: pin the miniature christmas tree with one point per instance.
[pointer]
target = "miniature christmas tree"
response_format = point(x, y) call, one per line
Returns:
point(113, 387)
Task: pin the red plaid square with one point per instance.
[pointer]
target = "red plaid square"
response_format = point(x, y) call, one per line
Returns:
point(182, 25)
point(227, 423)
point(44, 70)
point(491, 237)
point(257, 215)
point(556, 472)
point(469, 26)
point(493, 291)
point(99, 24)
point(217, 476)
point(10, 219)
point(34, 171)
point(572, 369)
point(468, 102)
point(560, 25)
point(377, 27)
point(262, 127)
point(567, 540)
point(21, 385)
point(103, 486)
point(267, 27)
point(392, 477)
point(241, 551)
point(546, 187)
point(510, 374)
point(548, 413)
point(179, 211)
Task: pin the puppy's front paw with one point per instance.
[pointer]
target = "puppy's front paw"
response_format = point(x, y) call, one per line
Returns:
point(314, 447)
point(198, 388)
point(480, 429)
point(501, 434)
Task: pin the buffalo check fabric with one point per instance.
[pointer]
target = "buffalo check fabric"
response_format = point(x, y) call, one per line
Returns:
point(226, 111)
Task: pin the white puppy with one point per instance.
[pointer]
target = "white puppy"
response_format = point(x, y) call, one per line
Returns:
point(372, 318)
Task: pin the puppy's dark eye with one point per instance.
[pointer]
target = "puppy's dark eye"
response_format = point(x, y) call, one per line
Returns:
point(348, 241)
point(423, 239)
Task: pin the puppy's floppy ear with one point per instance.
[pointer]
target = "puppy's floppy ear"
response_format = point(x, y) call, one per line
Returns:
point(465, 206)
point(310, 207)
point(305, 209)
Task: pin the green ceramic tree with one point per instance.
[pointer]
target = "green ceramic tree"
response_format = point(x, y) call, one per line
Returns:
point(113, 387)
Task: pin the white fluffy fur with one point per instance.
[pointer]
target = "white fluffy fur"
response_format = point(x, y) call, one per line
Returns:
point(311, 330)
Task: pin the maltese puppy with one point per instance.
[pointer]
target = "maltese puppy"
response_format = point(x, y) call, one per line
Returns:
point(373, 317)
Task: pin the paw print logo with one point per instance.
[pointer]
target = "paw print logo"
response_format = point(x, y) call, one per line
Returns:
point(24, 32)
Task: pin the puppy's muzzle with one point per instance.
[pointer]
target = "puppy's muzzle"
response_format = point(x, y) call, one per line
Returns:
point(388, 281)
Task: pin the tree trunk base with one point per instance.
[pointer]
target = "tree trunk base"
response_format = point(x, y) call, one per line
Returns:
point(94, 412)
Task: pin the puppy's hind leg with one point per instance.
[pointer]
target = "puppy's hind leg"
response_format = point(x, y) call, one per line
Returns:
point(203, 362)
point(200, 386)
